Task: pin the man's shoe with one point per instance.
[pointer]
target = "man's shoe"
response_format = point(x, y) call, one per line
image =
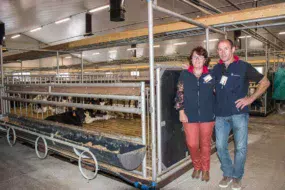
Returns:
point(225, 182)
point(196, 174)
point(205, 176)
point(236, 185)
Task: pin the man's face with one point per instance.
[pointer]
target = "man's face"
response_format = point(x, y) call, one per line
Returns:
point(225, 51)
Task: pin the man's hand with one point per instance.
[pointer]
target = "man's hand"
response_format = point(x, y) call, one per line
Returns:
point(241, 103)
point(182, 117)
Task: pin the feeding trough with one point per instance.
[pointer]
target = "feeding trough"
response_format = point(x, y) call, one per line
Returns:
point(120, 153)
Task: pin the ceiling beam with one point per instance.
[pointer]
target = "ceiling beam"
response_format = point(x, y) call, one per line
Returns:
point(240, 15)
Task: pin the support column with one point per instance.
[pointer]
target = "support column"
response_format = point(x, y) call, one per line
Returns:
point(152, 88)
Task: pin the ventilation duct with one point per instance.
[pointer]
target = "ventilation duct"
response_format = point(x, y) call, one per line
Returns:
point(88, 24)
point(2, 33)
point(117, 10)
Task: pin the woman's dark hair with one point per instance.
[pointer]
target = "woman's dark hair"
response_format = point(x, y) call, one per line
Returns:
point(201, 52)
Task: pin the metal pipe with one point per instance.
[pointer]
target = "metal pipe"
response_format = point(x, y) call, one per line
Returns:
point(143, 125)
point(152, 87)
point(82, 67)
point(174, 170)
point(226, 35)
point(78, 105)
point(194, 5)
point(1, 64)
point(80, 85)
point(51, 138)
point(257, 26)
point(116, 97)
point(260, 38)
point(246, 48)
point(40, 50)
point(21, 70)
point(57, 63)
point(2, 79)
point(186, 19)
point(207, 40)
point(158, 108)
point(250, 21)
point(267, 59)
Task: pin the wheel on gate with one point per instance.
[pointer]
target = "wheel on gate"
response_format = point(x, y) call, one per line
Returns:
point(82, 156)
point(9, 136)
point(42, 146)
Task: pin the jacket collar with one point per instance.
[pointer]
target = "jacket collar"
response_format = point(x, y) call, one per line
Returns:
point(236, 59)
point(191, 69)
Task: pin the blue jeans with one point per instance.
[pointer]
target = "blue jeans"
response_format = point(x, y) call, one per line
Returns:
point(239, 125)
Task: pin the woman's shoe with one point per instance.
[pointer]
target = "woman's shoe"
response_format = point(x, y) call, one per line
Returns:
point(196, 174)
point(205, 176)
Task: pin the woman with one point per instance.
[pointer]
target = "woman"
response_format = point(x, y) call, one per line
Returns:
point(195, 102)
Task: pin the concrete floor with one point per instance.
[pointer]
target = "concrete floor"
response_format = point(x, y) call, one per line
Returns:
point(265, 167)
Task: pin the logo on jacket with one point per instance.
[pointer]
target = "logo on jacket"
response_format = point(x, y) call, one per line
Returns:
point(234, 75)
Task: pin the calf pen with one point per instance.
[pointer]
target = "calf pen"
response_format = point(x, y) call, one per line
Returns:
point(120, 146)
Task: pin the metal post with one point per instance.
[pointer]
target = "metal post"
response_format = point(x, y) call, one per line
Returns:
point(1, 62)
point(246, 48)
point(226, 34)
point(158, 108)
point(152, 93)
point(143, 123)
point(274, 57)
point(57, 62)
point(267, 59)
point(207, 40)
point(82, 67)
point(2, 79)
point(22, 71)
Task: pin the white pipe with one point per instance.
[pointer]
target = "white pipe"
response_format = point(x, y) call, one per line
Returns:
point(207, 41)
point(196, 6)
point(246, 48)
point(2, 79)
point(158, 104)
point(143, 125)
point(186, 19)
point(82, 67)
point(57, 63)
point(80, 85)
point(77, 105)
point(116, 97)
point(152, 89)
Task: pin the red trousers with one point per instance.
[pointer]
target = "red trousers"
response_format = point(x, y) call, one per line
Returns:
point(198, 139)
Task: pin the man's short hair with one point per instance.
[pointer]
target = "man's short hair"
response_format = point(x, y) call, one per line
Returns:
point(227, 40)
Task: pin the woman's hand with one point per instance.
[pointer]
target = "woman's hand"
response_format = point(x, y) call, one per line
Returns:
point(182, 117)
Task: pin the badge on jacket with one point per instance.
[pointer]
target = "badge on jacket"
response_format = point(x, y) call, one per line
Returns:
point(207, 78)
point(223, 80)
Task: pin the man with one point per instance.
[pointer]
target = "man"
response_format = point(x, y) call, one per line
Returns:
point(232, 81)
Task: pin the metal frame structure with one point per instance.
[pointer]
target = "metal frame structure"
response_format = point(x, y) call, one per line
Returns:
point(158, 174)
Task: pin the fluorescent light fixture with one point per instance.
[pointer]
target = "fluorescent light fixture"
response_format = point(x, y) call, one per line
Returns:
point(130, 49)
point(96, 53)
point(244, 37)
point(68, 57)
point(99, 8)
point(212, 40)
point(156, 46)
point(180, 43)
point(62, 20)
point(36, 29)
point(113, 51)
point(16, 36)
point(109, 73)
point(281, 33)
point(135, 73)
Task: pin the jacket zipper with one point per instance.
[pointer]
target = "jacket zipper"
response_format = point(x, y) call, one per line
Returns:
point(198, 93)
